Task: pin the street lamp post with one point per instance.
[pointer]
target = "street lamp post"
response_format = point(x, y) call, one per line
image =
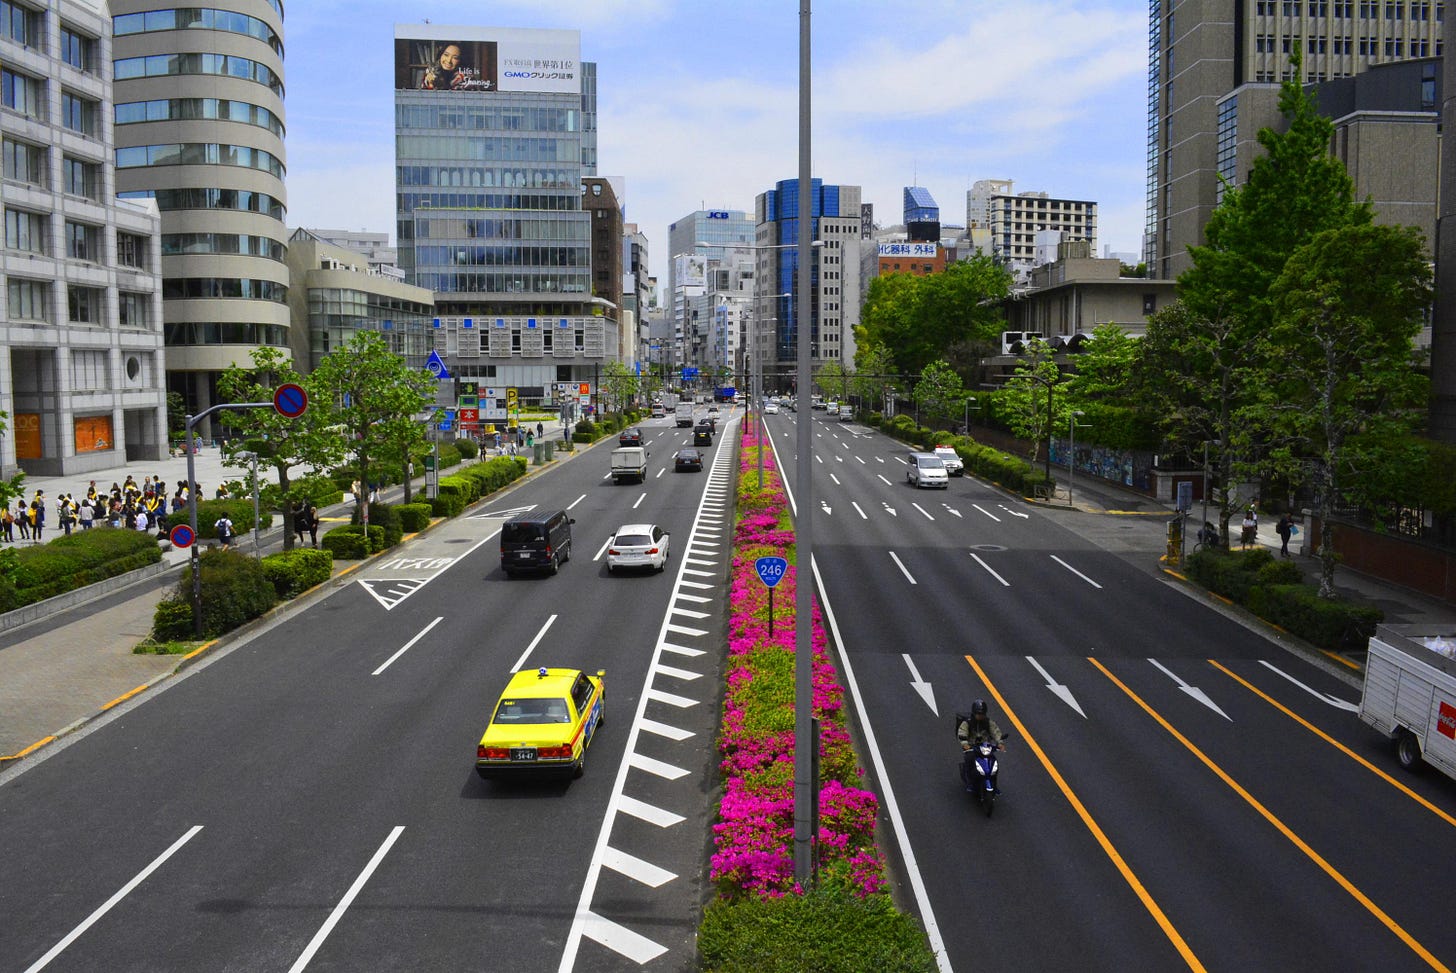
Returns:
point(969, 400)
point(1071, 452)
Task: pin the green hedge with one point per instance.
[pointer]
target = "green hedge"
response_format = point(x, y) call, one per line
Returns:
point(385, 517)
point(413, 517)
point(467, 448)
point(235, 590)
point(1274, 590)
point(819, 932)
point(348, 543)
point(66, 563)
point(986, 462)
point(240, 512)
point(294, 572)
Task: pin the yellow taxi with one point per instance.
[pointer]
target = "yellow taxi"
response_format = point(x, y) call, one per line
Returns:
point(543, 722)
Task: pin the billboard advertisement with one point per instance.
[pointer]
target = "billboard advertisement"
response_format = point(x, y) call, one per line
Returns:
point(925, 250)
point(435, 57)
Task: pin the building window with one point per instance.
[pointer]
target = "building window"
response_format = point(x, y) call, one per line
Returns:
point(24, 231)
point(27, 299)
point(24, 162)
point(23, 93)
point(83, 304)
point(78, 50)
point(131, 250)
point(78, 114)
point(80, 177)
point(133, 310)
point(19, 24)
point(81, 242)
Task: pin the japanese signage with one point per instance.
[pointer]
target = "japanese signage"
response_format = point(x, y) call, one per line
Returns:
point(914, 250)
point(437, 57)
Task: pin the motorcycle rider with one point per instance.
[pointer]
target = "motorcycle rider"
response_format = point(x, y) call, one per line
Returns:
point(971, 732)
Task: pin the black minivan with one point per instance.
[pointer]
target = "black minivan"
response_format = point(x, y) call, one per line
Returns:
point(534, 541)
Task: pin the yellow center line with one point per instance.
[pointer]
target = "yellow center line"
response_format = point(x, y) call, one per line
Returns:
point(1336, 744)
point(1283, 828)
point(1128, 875)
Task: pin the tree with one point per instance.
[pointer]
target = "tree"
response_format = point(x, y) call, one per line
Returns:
point(620, 383)
point(1347, 307)
point(950, 315)
point(831, 379)
point(371, 388)
point(1031, 397)
point(940, 392)
point(1107, 367)
point(874, 371)
point(284, 444)
point(176, 413)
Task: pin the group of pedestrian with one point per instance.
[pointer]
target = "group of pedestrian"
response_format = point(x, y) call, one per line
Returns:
point(306, 521)
point(1285, 528)
point(131, 505)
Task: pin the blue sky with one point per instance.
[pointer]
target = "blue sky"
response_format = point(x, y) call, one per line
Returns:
point(698, 102)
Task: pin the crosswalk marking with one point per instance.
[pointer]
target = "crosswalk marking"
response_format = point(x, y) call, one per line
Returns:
point(636, 869)
point(620, 939)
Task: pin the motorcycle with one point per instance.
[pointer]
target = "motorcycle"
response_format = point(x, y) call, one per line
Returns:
point(979, 767)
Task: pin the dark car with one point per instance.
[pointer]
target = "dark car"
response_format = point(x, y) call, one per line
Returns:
point(631, 437)
point(687, 460)
point(535, 541)
point(702, 436)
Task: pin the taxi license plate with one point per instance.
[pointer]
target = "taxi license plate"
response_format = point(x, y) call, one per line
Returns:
point(523, 753)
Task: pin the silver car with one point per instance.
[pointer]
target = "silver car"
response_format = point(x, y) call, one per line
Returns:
point(638, 546)
point(926, 470)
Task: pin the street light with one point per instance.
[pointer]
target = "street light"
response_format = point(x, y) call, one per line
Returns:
point(1071, 451)
point(969, 400)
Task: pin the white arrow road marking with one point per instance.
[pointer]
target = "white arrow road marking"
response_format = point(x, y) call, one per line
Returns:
point(879, 459)
point(1004, 582)
point(921, 686)
point(986, 512)
point(1193, 691)
point(889, 509)
point(952, 510)
point(902, 568)
point(1063, 693)
point(839, 459)
point(858, 511)
point(824, 507)
point(1075, 571)
point(1334, 701)
point(1015, 513)
point(509, 511)
point(922, 510)
point(883, 480)
point(835, 479)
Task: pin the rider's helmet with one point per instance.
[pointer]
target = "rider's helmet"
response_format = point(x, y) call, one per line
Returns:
point(978, 709)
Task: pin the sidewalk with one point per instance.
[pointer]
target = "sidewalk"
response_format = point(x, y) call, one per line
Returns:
point(58, 673)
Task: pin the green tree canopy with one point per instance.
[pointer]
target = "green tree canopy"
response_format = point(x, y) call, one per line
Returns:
point(953, 315)
point(940, 393)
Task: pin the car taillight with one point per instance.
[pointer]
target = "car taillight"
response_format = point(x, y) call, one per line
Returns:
point(613, 551)
point(548, 753)
point(492, 753)
point(652, 550)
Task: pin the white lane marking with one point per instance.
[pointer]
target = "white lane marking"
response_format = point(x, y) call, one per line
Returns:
point(603, 549)
point(902, 568)
point(617, 938)
point(576, 501)
point(818, 458)
point(107, 906)
point(666, 730)
point(1075, 571)
point(539, 636)
point(684, 674)
point(423, 632)
point(660, 768)
point(858, 511)
point(1193, 691)
point(671, 699)
point(922, 510)
point(682, 650)
point(608, 476)
point(887, 792)
point(650, 813)
point(1004, 582)
point(636, 869)
point(986, 512)
point(860, 460)
point(835, 479)
point(1334, 701)
point(884, 481)
point(920, 685)
point(661, 471)
point(1014, 513)
point(879, 459)
point(346, 901)
point(639, 500)
point(1061, 691)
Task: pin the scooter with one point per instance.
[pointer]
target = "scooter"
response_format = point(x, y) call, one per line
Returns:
point(983, 785)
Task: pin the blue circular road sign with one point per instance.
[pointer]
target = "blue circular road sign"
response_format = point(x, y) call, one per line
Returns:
point(181, 536)
point(290, 400)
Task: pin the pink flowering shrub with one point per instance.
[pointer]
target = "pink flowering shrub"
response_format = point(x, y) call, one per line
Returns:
point(755, 833)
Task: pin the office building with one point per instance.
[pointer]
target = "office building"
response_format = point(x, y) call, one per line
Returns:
point(81, 351)
point(373, 247)
point(200, 129)
point(921, 215)
point(834, 220)
point(495, 133)
point(1200, 51)
point(337, 292)
point(639, 294)
point(706, 232)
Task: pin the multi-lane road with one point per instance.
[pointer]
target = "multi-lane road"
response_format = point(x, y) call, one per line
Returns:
point(1179, 790)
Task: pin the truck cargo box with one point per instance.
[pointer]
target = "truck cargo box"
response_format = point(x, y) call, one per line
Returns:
point(1410, 693)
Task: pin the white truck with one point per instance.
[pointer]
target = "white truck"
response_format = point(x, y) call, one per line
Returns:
point(684, 414)
point(1410, 693)
point(629, 463)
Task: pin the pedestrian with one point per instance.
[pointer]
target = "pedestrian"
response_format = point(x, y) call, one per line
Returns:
point(300, 526)
point(63, 513)
point(1285, 530)
point(311, 517)
point(7, 525)
point(141, 519)
point(1250, 533)
point(37, 517)
point(540, 431)
point(224, 528)
point(86, 514)
point(354, 488)
point(22, 517)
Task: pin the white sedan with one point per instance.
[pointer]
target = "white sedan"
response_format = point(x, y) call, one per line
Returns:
point(771, 409)
point(638, 546)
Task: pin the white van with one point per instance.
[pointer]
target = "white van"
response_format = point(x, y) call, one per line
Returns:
point(846, 413)
point(926, 470)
